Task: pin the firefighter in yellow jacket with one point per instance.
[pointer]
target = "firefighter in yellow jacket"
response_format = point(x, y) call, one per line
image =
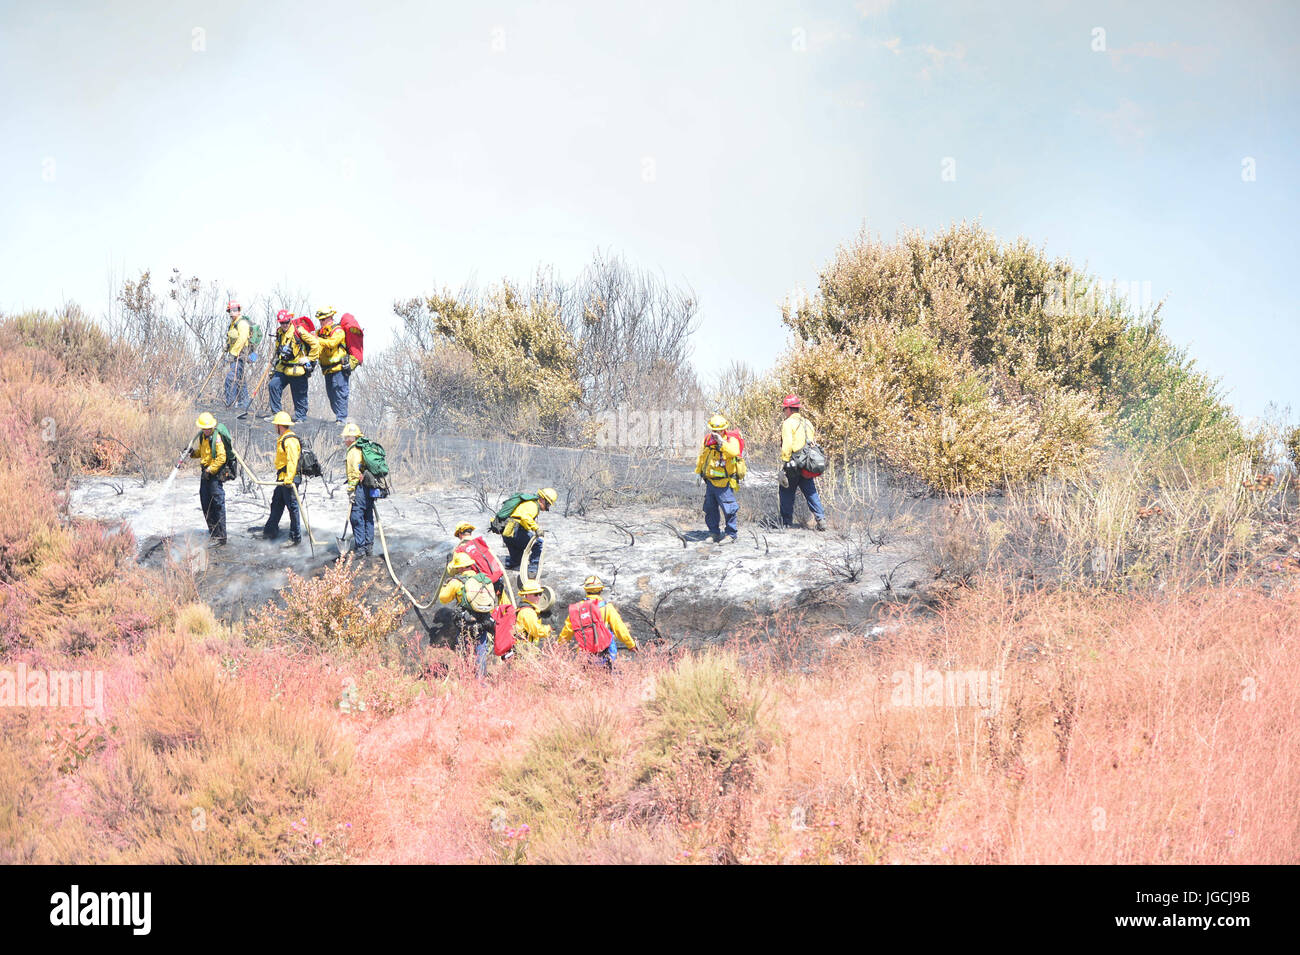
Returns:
point(527, 622)
point(239, 355)
point(211, 452)
point(361, 493)
point(719, 468)
point(295, 351)
point(522, 527)
point(288, 450)
point(335, 362)
point(797, 431)
point(594, 587)
point(475, 599)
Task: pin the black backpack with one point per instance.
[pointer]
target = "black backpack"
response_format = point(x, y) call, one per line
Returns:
point(230, 470)
point(308, 463)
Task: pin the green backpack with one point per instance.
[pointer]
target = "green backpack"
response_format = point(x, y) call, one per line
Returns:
point(254, 335)
point(373, 457)
point(503, 513)
point(230, 470)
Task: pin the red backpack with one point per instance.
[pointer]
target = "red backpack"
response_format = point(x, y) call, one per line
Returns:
point(352, 336)
point(589, 630)
point(503, 631)
point(485, 562)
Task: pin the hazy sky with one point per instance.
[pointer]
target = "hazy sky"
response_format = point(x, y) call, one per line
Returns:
point(370, 151)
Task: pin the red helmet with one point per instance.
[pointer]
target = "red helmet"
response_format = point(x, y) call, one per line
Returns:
point(791, 401)
point(283, 316)
point(232, 307)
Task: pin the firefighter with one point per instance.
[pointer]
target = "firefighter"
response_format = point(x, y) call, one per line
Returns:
point(600, 623)
point(528, 624)
point(238, 354)
point(295, 351)
point(796, 431)
point(288, 449)
point(475, 599)
point(719, 468)
point(210, 449)
point(522, 527)
point(335, 362)
point(362, 494)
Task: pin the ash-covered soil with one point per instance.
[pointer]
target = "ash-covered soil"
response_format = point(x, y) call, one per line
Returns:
point(669, 580)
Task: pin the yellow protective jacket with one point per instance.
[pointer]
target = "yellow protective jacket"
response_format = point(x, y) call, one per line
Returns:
point(354, 461)
point(237, 336)
point(449, 590)
point(530, 626)
point(796, 431)
point(612, 619)
point(287, 450)
point(526, 515)
point(330, 346)
point(717, 462)
point(211, 452)
point(305, 347)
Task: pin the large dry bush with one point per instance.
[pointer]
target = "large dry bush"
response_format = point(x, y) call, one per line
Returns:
point(331, 611)
point(61, 578)
point(541, 360)
point(974, 364)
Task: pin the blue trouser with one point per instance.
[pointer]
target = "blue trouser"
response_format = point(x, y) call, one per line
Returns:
point(297, 384)
point(517, 543)
point(236, 386)
point(809, 487)
point(363, 519)
point(282, 497)
point(724, 497)
point(481, 632)
point(336, 389)
point(212, 499)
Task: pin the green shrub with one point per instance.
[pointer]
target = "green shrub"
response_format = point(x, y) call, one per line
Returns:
point(565, 780)
point(707, 727)
point(974, 365)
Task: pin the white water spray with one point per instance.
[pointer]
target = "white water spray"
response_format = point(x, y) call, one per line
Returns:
point(167, 486)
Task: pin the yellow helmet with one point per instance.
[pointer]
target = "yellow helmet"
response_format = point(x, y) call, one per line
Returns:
point(351, 430)
point(548, 495)
point(532, 590)
point(460, 561)
point(717, 423)
point(325, 314)
point(206, 421)
point(282, 417)
point(593, 584)
point(461, 528)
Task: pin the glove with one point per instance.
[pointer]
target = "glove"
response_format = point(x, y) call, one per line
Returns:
point(784, 478)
